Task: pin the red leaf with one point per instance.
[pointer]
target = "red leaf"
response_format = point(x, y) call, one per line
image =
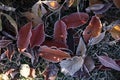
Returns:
point(52, 42)
point(75, 19)
point(93, 29)
point(4, 43)
point(38, 36)
point(24, 36)
point(60, 32)
point(53, 55)
point(109, 62)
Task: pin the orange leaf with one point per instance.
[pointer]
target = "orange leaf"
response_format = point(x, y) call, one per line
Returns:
point(75, 19)
point(24, 36)
point(93, 29)
point(53, 55)
point(38, 36)
point(115, 32)
point(60, 32)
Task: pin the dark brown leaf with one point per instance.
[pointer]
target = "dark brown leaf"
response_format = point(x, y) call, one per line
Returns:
point(109, 62)
point(53, 55)
point(24, 36)
point(38, 36)
point(75, 19)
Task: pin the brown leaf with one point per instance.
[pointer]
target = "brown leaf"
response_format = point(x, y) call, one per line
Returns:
point(81, 49)
point(60, 32)
point(71, 65)
point(24, 36)
point(117, 3)
point(32, 73)
point(93, 29)
point(53, 55)
point(38, 36)
point(92, 2)
point(75, 19)
point(50, 73)
point(109, 62)
point(89, 63)
point(10, 51)
point(115, 32)
point(4, 43)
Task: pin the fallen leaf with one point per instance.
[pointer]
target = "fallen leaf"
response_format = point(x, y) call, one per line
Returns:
point(25, 70)
point(117, 3)
point(81, 48)
point(108, 62)
point(71, 65)
point(4, 43)
point(24, 36)
point(53, 55)
point(60, 32)
point(38, 36)
point(115, 32)
point(89, 63)
point(50, 73)
point(75, 19)
point(93, 29)
point(96, 40)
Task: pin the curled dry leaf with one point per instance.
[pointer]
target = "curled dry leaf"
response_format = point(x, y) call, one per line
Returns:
point(115, 32)
point(89, 63)
point(81, 49)
point(109, 62)
point(38, 36)
point(75, 19)
point(71, 65)
point(96, 40)
point(53, 55)
point(117, 3)
point(24, 36)
point(50, 73)
point(25, 70)
point(4, 43)
point(60, 32)
point(93, 29)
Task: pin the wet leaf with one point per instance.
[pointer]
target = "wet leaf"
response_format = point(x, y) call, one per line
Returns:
point(81, 48)
point(117, 3)
point(93, 29)
point(50, 73)
point(25, 70)
point(96, 40)
point(71, 65)
point(12, 21)
point(108, 62)
point(10, 51)
point(53, 55)
point(38, 36)
point(60, 32)
point(115, 32)
point(24, 37)
point(75, 19)
point(4, 43)
point(89, 63)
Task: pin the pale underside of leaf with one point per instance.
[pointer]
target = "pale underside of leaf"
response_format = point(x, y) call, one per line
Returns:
point(71, 65)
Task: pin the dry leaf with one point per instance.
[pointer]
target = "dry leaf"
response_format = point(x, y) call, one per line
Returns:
point(117, 3)
point(52, 4)
point(60, 32)
point(50, 73)
point(38, 36)
point(96, 40)
point(53, 55)
point(93, 29)
point(108, 62)
point(75, 19)
point(115, 32)
point(81, 49)
point(89, 63)
point(4, 43)
point(71, 65)
point(25, 70)
point(92, 2)
point(24, 36)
